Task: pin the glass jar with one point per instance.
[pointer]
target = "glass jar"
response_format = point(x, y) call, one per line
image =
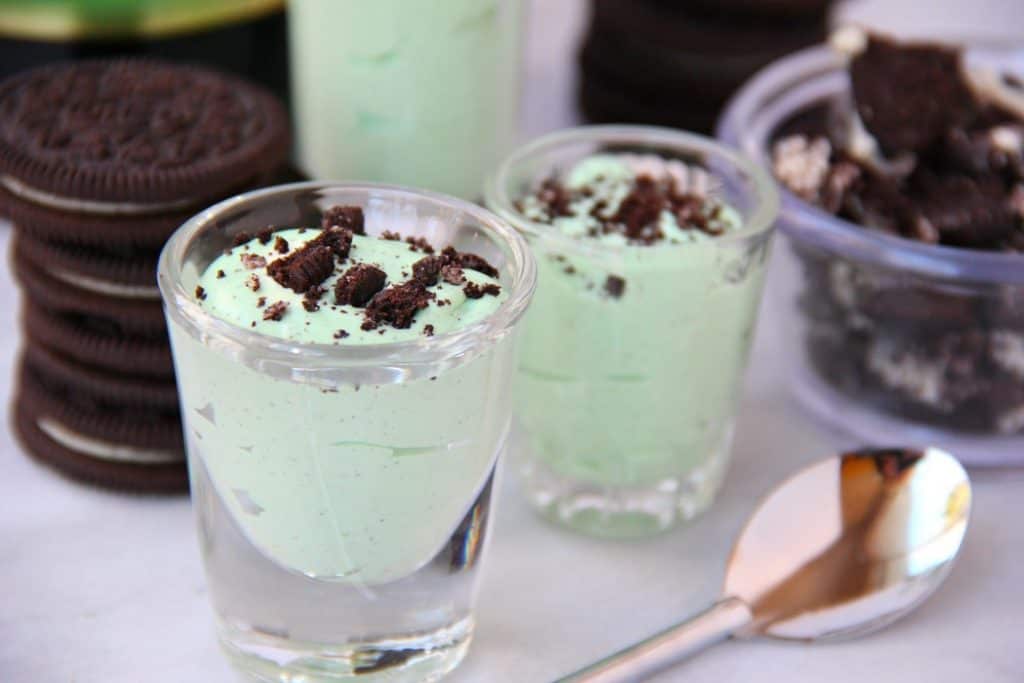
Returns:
point(893, 340)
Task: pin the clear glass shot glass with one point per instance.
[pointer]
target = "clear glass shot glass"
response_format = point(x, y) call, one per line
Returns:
point(891, 340)
point(630, 401)
point(343, 492)
point(416, 92)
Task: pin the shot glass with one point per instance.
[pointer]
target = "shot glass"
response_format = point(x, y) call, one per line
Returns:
point(630, 400)
point(342, 493)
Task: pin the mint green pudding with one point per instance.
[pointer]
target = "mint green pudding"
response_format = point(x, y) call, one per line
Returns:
point(415, 92)
point(344, 356)
point(635, 346)
point(329, 479)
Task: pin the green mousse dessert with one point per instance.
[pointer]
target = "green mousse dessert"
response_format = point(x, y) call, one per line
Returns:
point(360, 483)
point(635, 345)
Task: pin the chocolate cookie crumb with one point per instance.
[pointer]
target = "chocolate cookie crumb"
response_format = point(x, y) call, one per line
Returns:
point(264, 235)
point(428, 330)
point(281, 245)
point(310, 301)
point(450, 256)
point(391, 236)
point(452, 274)
point(347, 217)
point(340, 334)
point(220, 274)
point(253, 282)
point(275, 311)
point(427, 270)
point(307, 267)
point(261, 302)
point(240, 239)
point(358, 285)
point(396, 305)
point(474, 291)
point(200, 293)
point(252, 261)
point(614, 286)
point(419, 244)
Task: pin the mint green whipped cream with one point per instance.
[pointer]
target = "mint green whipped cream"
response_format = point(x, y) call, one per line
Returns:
point(233, 298)
point(640, 346)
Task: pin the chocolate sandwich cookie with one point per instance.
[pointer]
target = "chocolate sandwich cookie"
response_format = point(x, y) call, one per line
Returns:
point(142, 231)
point(85, 431)
point(135, 137)
point(132, 314)
point(651, 62)
point(102, 342)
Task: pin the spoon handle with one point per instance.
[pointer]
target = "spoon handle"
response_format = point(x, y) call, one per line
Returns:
point(644, 659)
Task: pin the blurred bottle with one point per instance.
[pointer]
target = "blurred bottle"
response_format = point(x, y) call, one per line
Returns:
point(246, 37)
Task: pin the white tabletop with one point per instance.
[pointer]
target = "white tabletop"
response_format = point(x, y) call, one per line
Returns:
point(102, 587)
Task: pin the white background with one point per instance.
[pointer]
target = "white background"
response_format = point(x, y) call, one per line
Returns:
point(103, 587)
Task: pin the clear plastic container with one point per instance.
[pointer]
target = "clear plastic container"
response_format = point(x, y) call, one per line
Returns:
point(896, 341)
point(630, 400)
point(343, 493)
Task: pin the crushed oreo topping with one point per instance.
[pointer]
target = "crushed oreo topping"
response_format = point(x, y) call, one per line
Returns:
point(340, 334)
point(252, 261)
point(261, 302)
point(428, 330)
point(306, 267)
point(949, 165)
point(452, 274)
point(200, 293)
point(474, 291)
point(649, 195)
point(310, 301)
point(908, 96)
point(397, 305)
point(220, 274)
point(427, 270)
point(275, 311)
point(345, 217)
point(419, 244)
point(241, 238)
point(450, 256)
point(281, 245)
point(253, 282)
point(614, 286)
point(391, 236)
point(358, 285)
point(264, 236)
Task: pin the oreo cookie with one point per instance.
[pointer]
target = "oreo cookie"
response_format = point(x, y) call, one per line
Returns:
point(85, 430)
point(125, 137)
point(676, 64)
point(101, 342)
point(60, 287)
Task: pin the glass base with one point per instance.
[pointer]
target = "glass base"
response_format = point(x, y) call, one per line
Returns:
point(622, 512)
point(864, 426)
point(411, 658)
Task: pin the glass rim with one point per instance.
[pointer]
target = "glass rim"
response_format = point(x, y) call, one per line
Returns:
point(805, 222)
point(453, 344)
point(761, 221)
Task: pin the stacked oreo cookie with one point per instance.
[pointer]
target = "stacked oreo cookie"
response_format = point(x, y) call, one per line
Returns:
point(99, 163)
point(676, 62)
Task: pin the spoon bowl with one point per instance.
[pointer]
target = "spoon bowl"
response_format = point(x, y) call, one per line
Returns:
point(842, 548)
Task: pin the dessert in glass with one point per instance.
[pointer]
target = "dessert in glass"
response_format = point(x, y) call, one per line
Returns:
point(651, 246)
point(904, 212)
point(405, 91)
point(344, 354)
